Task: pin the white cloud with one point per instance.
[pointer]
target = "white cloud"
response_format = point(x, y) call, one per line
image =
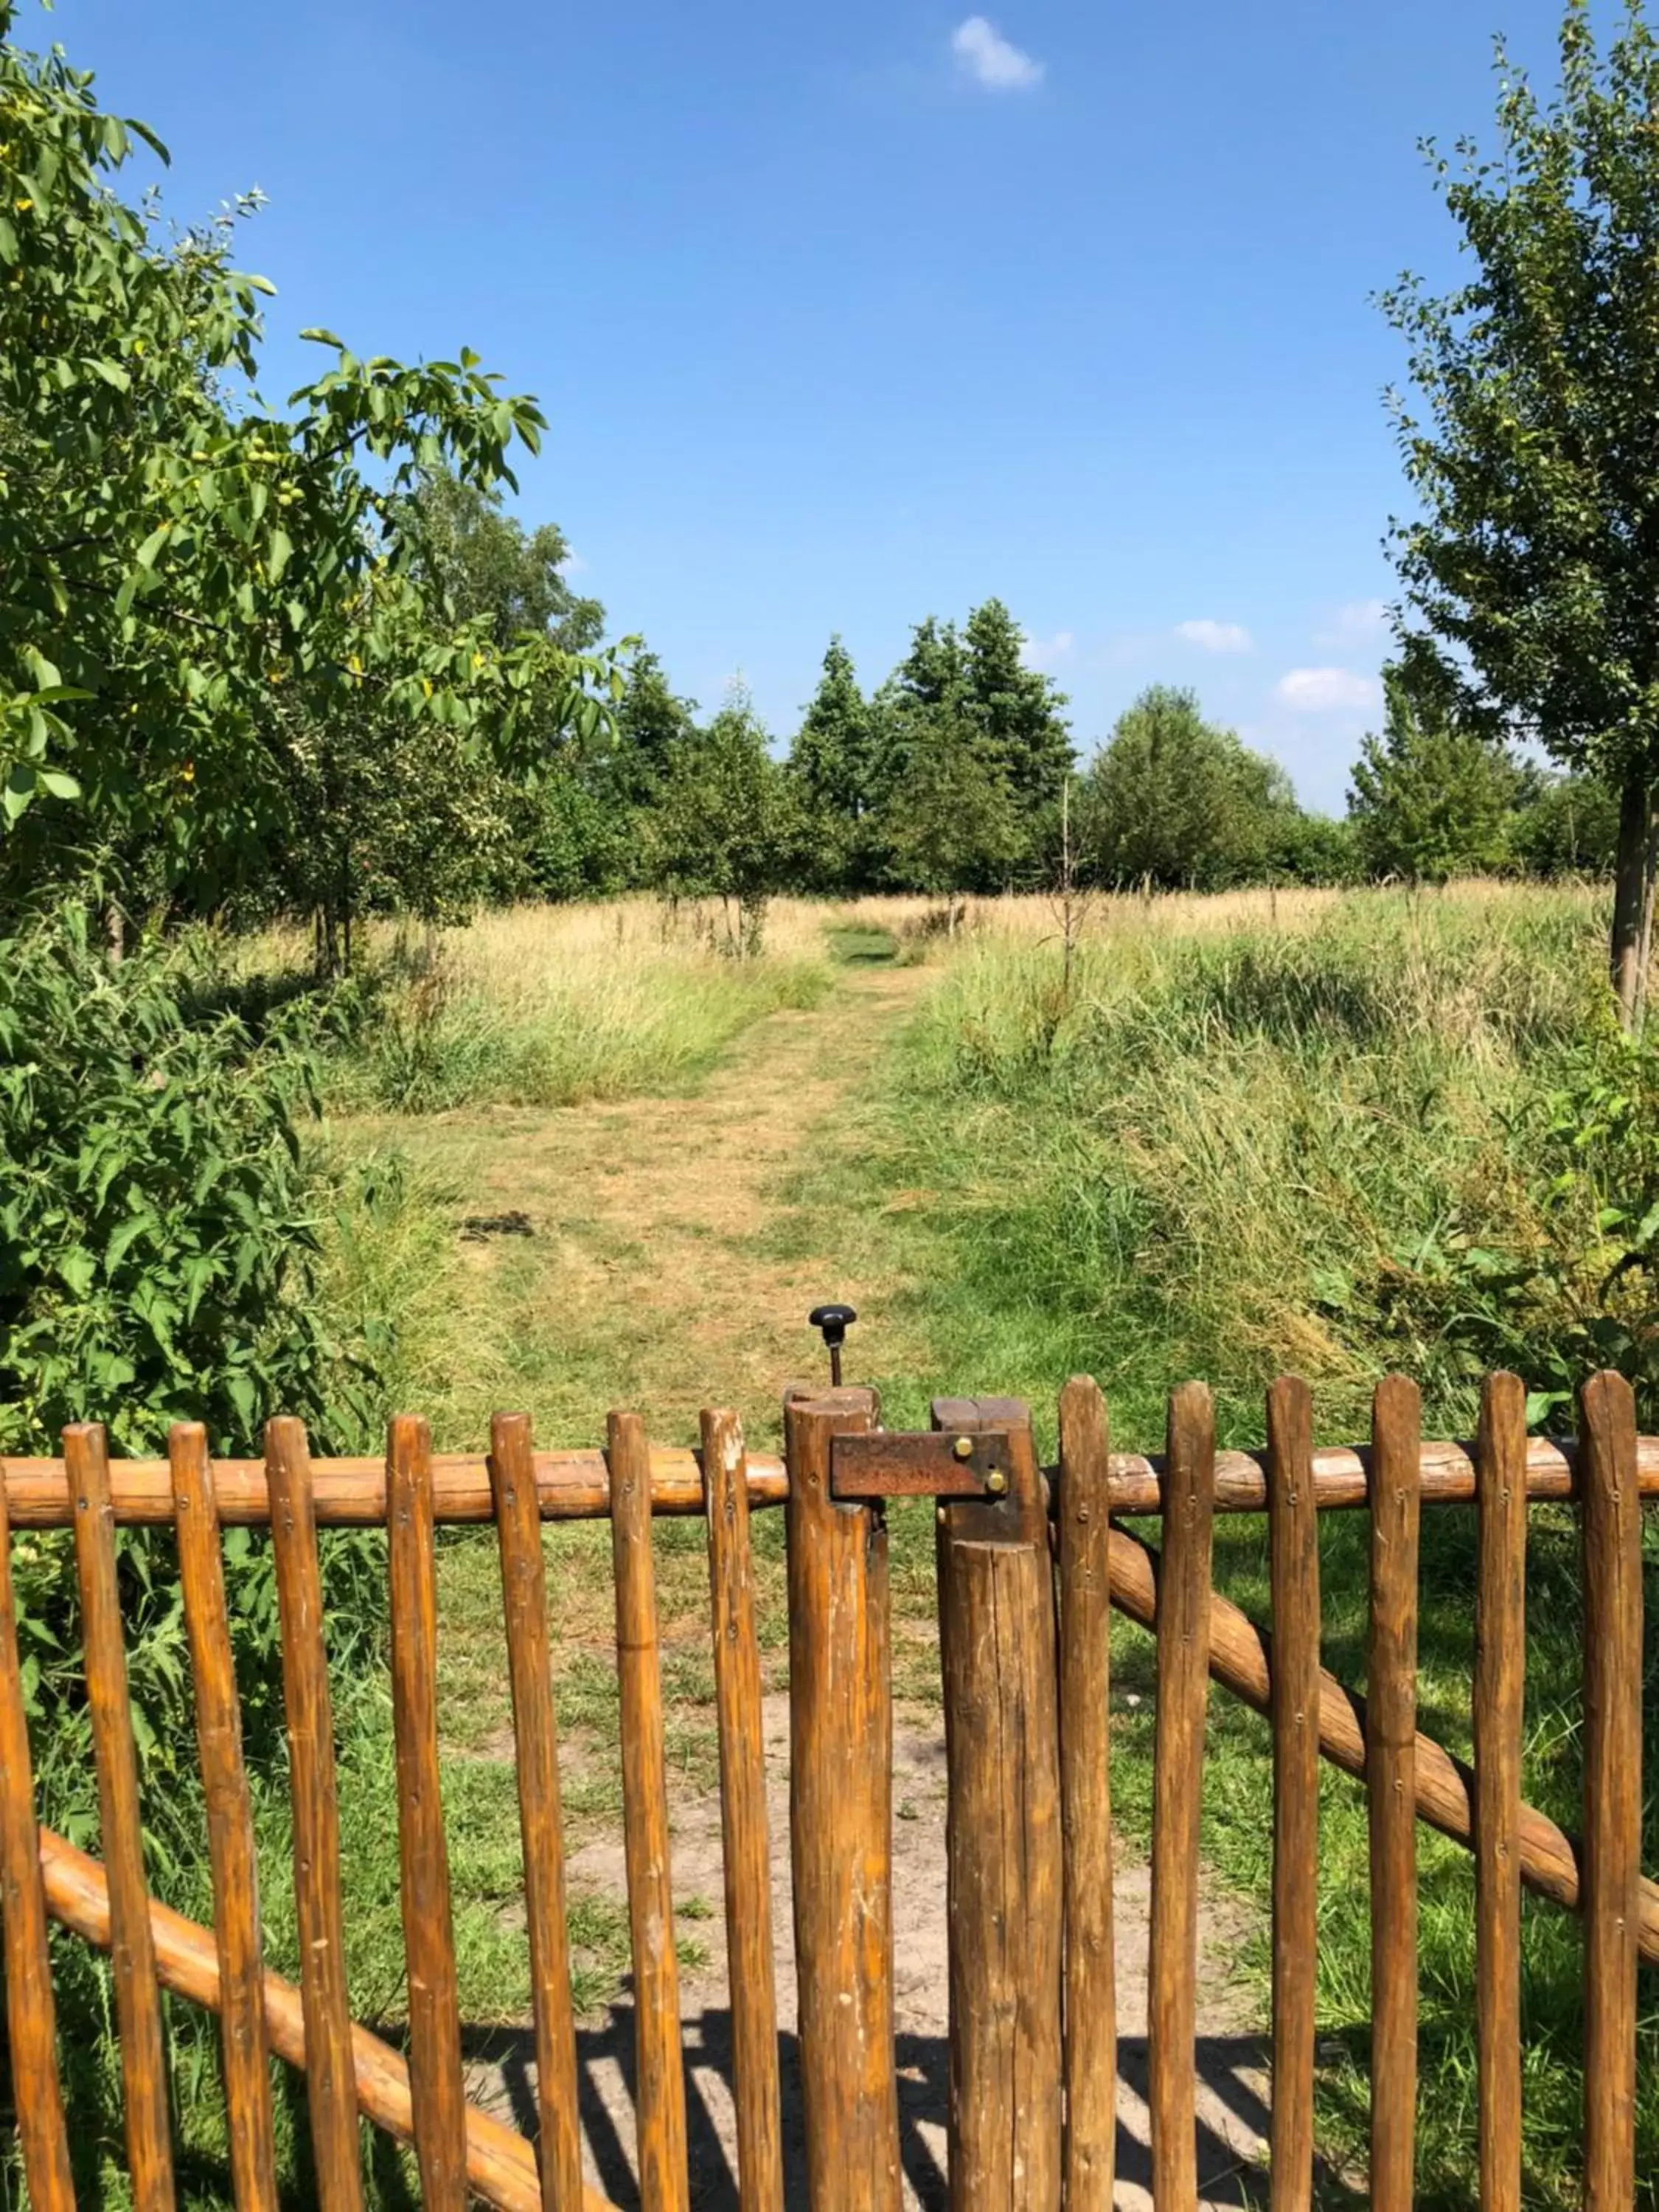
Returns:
point(1326, 690)
point(1045, 651)
point(1215, 636)
point(1356, 624)
point(983, 54)
point(573, 563)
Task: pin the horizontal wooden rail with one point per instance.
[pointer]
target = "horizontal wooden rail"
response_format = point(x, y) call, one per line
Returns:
point(500, 2164)
point(1342, 1476)
point(1241, 1659)
point(575, 1486)
point(350, 1493)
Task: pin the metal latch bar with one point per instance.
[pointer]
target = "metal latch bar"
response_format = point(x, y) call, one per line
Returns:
point(927, 1463)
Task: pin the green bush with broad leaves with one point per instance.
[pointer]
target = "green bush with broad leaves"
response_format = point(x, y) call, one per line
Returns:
point(157, 1224)
point(158, 1234)
point(1580, 1289)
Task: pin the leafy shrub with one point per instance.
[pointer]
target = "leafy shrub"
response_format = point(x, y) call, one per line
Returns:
point(1579, 1288)
point(158, 1239)
point(157, 1228)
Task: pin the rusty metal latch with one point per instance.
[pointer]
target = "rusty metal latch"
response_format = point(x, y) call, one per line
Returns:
point(929, 1463)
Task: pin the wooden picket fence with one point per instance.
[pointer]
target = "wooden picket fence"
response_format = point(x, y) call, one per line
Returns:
point(1029, 1563)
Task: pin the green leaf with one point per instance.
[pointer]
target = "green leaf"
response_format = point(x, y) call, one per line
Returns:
point(19, 791)
point(246, 1399)
point(125, 1232)
point(149, 550)
point(143, 130)
point(320, 337)
point(278, 553)
point(60, 786)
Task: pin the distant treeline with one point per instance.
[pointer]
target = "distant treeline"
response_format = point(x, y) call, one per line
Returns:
point(959, 773)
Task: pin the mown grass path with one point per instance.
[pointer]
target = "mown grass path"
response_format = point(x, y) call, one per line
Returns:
point(641, 1253)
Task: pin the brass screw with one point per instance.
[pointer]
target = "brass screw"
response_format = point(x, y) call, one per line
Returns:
point(996, 1482)
point(964, 1448)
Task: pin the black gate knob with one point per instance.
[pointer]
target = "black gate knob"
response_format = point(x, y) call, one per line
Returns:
point(832, 1323)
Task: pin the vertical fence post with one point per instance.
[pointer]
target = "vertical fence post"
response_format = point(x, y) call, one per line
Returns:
point(30, 2015)
point(535, 1736)
point(1085, 1641)
point(1500, 1663)
point(132, 1945)
point(746, 1847)
point(841, 1787)
point(1611, 1514)
point(231, 1848)
point(996, 1601)
point(1183, 1686)
point(665, 2182)
point(1293, 1544)
point(330, 2076)
point(435, 2014)
point(1391, 1786)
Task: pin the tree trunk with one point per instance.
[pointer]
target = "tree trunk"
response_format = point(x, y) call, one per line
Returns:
point(115, 933)
point(1632, 897)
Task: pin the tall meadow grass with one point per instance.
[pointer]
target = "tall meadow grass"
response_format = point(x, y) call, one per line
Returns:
point(1242, 1146)
point(552, 1006)
point(1313, 1134)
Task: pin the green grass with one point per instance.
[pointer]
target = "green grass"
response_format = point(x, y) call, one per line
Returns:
point(1230, 1155)
point(855, 946)
point(547, 1007)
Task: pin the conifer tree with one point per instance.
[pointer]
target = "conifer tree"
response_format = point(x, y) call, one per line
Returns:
point(1430, 798)
point(1018, 711)
point(830, 760)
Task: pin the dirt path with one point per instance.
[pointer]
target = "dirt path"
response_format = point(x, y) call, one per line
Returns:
point(643, 1249)
point(650, 1255)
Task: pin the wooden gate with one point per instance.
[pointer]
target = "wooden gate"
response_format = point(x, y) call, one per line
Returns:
point(1029, 1563)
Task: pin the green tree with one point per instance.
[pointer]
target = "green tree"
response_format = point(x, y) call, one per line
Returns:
point(579, 839)
point(968, 692)
point(1565, 825)
point(727, 823)
point(586, 828)
point(190, 584)
point(928, 681)
point(1430, 798)
point(1019, 712)
point(932, 672)
point(831, 761)
point(484, 563)
point(950, 823)
point(1531, 573)
point(650, 723)
point(1176, 801)
point(1311, 848)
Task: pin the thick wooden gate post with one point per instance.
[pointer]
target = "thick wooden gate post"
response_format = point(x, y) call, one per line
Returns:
point(1003, 1834)
point(841, 1817)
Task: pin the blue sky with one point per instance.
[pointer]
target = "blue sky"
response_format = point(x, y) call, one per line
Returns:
point(844, 316)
